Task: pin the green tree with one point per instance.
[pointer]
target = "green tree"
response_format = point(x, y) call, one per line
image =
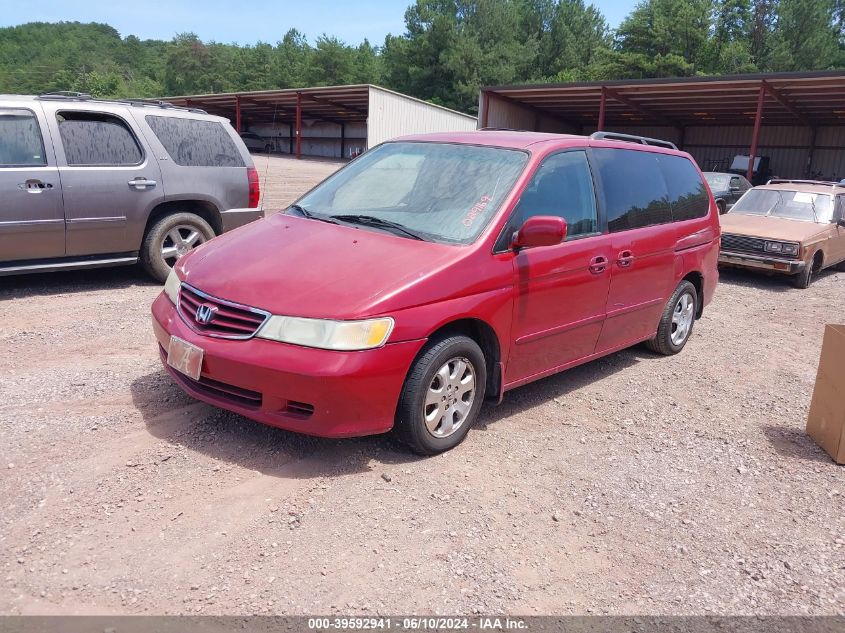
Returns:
point(805, 36)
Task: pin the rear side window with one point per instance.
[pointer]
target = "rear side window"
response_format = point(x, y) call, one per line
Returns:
point(635, 194)
point(97, 139)
point(196, 143)
point(20, 139)
point(687, 194)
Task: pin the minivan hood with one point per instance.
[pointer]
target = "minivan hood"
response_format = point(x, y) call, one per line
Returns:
point(303, 267)
point(770, 228)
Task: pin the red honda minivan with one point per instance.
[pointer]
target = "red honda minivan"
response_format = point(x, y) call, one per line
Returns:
point(440, 270)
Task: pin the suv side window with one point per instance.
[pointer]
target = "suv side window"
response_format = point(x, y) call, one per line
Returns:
point(96, 139)
point(195, 142)
point(687, 194)
point(561, 186)
point(20, 139)
point(635, 194)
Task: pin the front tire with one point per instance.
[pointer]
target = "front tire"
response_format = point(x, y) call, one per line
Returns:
point(170, 238)
point(803, 279)
point(442, 395)
point(677, 321)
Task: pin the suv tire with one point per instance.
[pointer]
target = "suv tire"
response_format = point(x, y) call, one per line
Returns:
point(677, 321)
point(177, 234)
point(442, 395)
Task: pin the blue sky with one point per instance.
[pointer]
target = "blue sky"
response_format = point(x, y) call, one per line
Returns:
point(245, 22)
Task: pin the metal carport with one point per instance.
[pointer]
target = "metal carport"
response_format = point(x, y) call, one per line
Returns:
point(336, 121)
point(798, 119)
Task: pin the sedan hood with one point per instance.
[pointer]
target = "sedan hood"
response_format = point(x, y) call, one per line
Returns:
point(770, 228)
point(303, 267)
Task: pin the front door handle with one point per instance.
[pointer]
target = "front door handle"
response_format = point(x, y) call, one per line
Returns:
point(598, 264)
point(625, 259)
point(142, 183)
point(33, 185)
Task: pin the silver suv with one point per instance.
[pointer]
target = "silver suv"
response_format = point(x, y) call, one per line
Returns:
point(87, 183)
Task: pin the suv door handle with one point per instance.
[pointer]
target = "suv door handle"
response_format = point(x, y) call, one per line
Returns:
point(142, 183)
point(34, 186)
point(625, 259)
point(598, 264)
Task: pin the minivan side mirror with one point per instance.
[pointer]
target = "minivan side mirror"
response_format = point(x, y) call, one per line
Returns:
point(540, 230)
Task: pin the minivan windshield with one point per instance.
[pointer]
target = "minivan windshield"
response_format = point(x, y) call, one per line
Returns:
point(440, 192)
point(782, 203)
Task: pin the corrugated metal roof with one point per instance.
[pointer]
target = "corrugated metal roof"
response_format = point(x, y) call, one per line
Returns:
point(804, 98)
point(333, 104)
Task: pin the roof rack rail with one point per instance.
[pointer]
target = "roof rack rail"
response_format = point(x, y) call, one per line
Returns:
point(66, 94)
point(780, 181)
point(501, 129)
point(632, 138)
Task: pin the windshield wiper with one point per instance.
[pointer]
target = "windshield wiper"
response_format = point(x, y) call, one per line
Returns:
point(371, 220)
point(305, 213)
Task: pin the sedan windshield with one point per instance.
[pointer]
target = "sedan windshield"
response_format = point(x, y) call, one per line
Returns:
point(782, 203)
point(717, 182)
point(434, 191)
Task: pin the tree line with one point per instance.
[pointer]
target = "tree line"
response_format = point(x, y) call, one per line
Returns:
point(450, 49)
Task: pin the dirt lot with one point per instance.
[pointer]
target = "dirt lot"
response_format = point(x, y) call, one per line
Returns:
point(284, 179)
point(636, 484)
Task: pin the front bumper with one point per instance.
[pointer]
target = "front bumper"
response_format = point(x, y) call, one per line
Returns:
point(761, 262)
point(233, 218)
point(312, 391)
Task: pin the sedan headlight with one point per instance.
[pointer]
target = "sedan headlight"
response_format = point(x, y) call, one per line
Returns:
point(171, 287)
point(786, 248)
point(326, 334)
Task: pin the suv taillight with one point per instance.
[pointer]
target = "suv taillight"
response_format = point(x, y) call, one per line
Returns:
point(254, 187)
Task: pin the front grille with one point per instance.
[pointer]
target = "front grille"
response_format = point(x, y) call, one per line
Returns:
point(742, 243)
point(228, 319)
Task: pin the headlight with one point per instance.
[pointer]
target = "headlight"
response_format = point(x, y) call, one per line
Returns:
point(171, 287)
point(787, 248)
point(325, 334)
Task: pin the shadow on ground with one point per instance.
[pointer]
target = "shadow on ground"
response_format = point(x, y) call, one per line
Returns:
point(56, 283)
point(772, 282)
point(175, 417)
point(794, 443)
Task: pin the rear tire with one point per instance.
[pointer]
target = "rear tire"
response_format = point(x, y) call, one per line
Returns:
point(677, 321)
point(268, 148)
point(442, 395)
point(720, 204)
point(170, 238)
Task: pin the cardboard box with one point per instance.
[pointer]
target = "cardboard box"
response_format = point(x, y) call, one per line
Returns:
point(826, 422)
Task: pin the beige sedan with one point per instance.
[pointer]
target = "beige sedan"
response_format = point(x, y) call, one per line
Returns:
point(792, 227)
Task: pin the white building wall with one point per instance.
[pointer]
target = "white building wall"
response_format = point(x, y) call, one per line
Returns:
point(392, 114)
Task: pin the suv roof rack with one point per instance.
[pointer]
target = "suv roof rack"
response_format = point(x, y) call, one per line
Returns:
point(632, 138)
point(780, 181)
point(66, 94)
point(501, 129)
point(69, 95)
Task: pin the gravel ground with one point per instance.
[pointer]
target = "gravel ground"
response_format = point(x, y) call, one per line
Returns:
point(635, 484)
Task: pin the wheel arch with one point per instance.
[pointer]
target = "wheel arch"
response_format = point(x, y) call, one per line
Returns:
point(204, 209)
point(482, 333)
point(697, 280)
